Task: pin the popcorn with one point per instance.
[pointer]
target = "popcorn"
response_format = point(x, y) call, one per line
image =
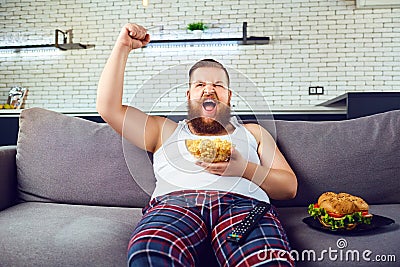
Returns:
point(209, 150)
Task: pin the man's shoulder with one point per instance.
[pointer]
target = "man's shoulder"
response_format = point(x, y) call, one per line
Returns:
point(257, 130)
point(251, 126)
point(166, 128)
point(164, 122)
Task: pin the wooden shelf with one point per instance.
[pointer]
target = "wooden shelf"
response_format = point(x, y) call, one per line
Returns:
point(213, 42)
point(64, 47)
point(210, 42)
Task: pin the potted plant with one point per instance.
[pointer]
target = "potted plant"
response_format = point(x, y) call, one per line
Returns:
point(197, 28)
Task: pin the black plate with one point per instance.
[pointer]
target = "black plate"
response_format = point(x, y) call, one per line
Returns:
point(376, 222)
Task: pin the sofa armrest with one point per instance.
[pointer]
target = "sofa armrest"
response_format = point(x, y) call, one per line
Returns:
point(8, 176)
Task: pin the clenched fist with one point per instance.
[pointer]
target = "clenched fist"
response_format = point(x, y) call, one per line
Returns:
point(133, 36)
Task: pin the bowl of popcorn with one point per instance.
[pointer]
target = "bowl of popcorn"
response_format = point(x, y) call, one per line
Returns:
point(209, 150)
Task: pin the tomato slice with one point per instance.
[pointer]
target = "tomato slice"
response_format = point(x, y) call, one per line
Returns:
point(365, 213)
point(316, 205)
point(335, 215)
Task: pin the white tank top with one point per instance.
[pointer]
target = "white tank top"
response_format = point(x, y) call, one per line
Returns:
point(175, 168)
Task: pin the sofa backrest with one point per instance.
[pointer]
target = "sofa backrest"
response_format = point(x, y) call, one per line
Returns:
point(358, 156)
point(71, 160)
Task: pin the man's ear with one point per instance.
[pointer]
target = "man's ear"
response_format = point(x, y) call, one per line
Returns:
point(188, 94)
point(229, 96)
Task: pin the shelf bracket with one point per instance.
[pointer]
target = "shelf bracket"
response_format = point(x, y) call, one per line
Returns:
point(244, 32)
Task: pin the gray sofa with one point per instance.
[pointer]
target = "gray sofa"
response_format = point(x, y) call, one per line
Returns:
point(72, 190)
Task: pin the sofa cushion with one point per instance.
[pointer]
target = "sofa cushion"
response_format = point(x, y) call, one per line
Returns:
point(359, 156)
point(48, 234)
point(71, 160)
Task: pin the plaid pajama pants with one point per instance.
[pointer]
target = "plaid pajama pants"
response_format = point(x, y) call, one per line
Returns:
point(189, 228)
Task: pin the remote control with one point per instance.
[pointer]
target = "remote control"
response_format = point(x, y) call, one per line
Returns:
point(240, 232)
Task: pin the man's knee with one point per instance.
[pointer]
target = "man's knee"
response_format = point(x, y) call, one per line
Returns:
point(170, 235)
point(158, 246)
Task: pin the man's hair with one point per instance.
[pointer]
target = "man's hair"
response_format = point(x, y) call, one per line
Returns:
point(208, 63)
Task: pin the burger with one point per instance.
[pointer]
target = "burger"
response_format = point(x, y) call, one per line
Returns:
point(340, 211)
point(210, 150)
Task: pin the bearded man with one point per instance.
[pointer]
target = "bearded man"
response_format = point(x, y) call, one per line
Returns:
point(196, 204)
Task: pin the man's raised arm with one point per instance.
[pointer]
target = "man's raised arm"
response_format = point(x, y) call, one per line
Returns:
point(136, 126)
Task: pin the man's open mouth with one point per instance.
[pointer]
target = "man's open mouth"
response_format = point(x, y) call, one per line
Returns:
point(209, 104)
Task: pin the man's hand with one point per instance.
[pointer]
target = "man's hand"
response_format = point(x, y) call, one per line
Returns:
point(133, 36)
point(236, 165)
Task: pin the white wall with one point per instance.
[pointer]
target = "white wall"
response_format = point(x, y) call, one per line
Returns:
point(326, 43)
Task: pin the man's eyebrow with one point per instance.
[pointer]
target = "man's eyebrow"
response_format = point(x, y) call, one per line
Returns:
point(200, 81)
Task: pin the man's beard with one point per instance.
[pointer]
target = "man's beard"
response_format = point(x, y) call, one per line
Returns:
point(204, 125)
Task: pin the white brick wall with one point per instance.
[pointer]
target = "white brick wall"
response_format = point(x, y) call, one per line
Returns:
point(326, 43)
